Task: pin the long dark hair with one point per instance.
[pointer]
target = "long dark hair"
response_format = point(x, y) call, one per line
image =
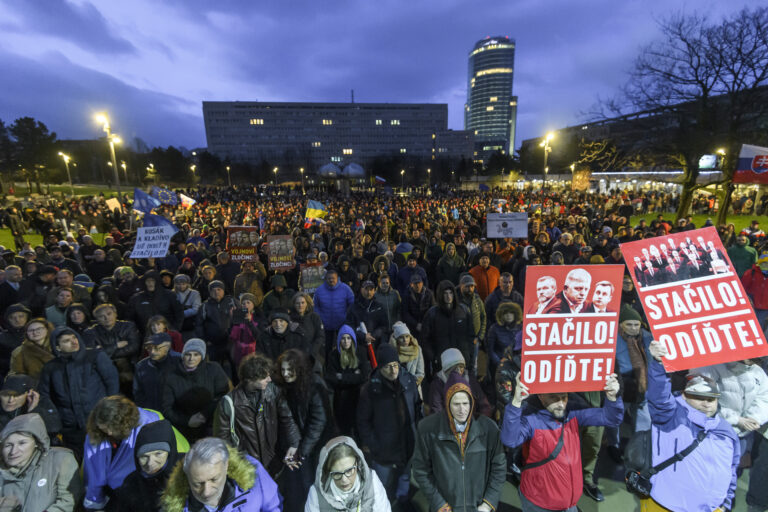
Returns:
point(301, 388)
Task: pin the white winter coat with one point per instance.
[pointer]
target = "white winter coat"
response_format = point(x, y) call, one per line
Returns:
point(743, 392)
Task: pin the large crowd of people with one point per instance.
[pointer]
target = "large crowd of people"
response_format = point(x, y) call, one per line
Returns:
point(195, 382)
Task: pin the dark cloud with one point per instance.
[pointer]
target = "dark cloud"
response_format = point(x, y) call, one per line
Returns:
point(81, 24)
point(66, 96)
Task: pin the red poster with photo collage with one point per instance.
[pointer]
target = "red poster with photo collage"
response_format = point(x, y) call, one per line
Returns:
point(570, 326)
point(693, 299)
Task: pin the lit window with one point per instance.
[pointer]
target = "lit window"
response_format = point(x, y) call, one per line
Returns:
point(327, 122)
point(433, 136)
point(347, 151)
point(378, 122)
point(494, 98)
point(488, 109)
point(395, 122)
point(335, 159)
point(493, 71)
point(257, 121)
point(316, 144)
point(402, 150)
point(512, 103)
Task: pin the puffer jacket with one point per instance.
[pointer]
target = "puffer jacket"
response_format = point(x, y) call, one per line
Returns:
point(557, 484)
point(501, 336)
point(272, 344)
point(214, 320)
point(149, 379)
point(332, 302)
point(415, 307)
point(455, 469)
point(743, 392)
point(145, 305)
point(260, 420)
point(76, 382)
point(391, 302)
point(756, 285)
point(105, 467)
point(371, 497)
point(705, 479)
point(248, 488)
point(51, 483)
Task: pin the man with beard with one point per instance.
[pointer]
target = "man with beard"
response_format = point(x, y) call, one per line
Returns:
point(551, 478)
point(546, 289)
point(471, 300)
point(389, 299)
point(416, 302)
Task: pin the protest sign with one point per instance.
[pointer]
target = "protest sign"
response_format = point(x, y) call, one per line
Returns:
point(570, 326)
point(152, 242)
point(693, 299)
point(280, 249)
point(507, 225)
point(311, 277)
point(243, 243)
point(113, 203)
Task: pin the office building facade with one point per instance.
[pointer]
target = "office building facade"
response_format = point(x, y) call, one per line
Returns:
point(491, 111)
point(314, 134)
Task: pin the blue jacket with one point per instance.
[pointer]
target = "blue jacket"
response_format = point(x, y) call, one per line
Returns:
point(705, 479)
point(623, 363)
point(403, 281)
point(104, 467)
point(557, 484)
point(331, 303)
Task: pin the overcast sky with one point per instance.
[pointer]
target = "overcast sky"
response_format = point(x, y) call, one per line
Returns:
point(151, 63)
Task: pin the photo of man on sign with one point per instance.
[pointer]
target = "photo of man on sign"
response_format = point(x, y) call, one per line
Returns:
point(570, 329)
point(694, 301)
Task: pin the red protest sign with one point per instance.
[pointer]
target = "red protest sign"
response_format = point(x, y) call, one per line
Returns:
point(243, 243)
point(570, 326)
point(693, 299)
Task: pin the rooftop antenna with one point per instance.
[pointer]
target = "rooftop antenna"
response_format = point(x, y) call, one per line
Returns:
point(352, 93)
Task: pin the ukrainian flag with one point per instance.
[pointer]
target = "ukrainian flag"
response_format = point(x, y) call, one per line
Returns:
point(315, 210)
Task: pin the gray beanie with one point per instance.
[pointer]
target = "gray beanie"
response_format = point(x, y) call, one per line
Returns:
point(216, 284)
point(466, 279)
point(194, 345)
point(448, 359)
point(400, 329)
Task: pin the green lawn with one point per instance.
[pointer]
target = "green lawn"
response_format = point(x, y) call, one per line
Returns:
point(6, 240)
point(740, 221)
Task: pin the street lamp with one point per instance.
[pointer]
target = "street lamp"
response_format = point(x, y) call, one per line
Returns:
point(66, 159)
point(112, 139)
point(429, 178)
point(402, 179)
point(275, 171)
point(125, 170)
point(547, 148)
point(301, 170)
point(192, 168)
point(229, 177)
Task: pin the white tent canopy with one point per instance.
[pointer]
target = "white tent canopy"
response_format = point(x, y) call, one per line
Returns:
point(329, 170)
point(354, 170)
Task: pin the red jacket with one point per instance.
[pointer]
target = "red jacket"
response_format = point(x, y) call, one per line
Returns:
point(756, 286)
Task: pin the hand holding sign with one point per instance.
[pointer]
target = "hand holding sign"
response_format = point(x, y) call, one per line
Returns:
point(521, 393)
point(658, 350)
point(611, 387)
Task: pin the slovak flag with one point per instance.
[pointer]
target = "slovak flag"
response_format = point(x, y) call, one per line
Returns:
point(186, 201)
point(760, 163)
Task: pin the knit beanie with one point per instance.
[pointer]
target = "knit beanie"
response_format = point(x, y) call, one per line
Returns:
point(451, 357)
point(215, 284)
point(194, 345)
point(386, 354)
point(629, 313)
point(400, 329)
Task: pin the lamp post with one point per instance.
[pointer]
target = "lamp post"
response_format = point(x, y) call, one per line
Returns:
point(112, 139)
point(275, 171)
point(192, 168)
point(547, 148)
point(229, 177)
point(402, 180)
point(429, 178)
point(125, 170)
point(66, 159)
point(301, 170)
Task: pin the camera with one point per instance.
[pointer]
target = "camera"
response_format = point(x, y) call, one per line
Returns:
point(638, 484)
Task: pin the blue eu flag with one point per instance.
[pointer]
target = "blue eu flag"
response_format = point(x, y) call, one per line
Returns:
point(143, 202)
point(164, 195)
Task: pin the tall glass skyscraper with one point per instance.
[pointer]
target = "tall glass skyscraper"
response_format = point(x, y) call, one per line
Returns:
point(491, 110)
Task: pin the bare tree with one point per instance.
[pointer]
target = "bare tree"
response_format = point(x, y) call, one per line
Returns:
point(701, 86)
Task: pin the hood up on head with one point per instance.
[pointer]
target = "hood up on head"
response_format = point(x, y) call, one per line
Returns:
point(345, 329)
point(441, 287)
point(456, 384)
point(55, 340)
point(31, 424)
point(509, 307)
point(324, 488)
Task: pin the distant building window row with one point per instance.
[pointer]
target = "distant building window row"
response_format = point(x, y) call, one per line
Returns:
point(492, 47)
point(257, 121)
point(327, 122)
point(493, 71)
point(316, 144)
point(335, 159)
point(494, 98)
point(378, 122)
point(402, 150)
point(347, 151)
point(395, 122)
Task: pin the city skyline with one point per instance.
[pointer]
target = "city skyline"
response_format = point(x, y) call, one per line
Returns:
point(152, 64)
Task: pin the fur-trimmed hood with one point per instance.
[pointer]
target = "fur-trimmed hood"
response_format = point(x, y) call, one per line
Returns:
point(509, 307)
point(176, 494)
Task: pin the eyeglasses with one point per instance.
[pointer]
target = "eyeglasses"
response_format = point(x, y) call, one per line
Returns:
point(392, 366)
point(347, 473)
point(37, 330)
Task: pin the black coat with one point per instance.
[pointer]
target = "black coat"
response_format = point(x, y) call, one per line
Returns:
point(387, 415)
point(187, 393)
point(99, 337)
point(373, 315)
point(312, 417)
point(145, 305)
point(9, 340)
point(34, 294)
point(346, 384)
point(74, 383)
point(214, 320)
point(447, 328)
point(149, 378)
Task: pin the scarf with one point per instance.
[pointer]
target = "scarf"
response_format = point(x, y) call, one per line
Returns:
point(347, 498)
point(408, 353)
point(638, 360)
